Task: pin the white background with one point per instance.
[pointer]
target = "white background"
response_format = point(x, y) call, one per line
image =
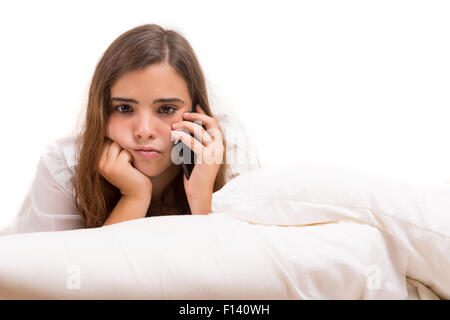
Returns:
point(357, 83)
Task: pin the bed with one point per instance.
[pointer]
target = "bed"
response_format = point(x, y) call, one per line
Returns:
point(295, 232)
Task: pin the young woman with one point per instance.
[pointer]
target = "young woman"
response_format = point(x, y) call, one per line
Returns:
point(140, 96)
point(142, 88)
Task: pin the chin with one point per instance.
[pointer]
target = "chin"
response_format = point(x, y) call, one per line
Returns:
point(150, 170)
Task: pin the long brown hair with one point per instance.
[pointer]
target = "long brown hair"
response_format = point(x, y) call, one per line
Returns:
point(135, 49)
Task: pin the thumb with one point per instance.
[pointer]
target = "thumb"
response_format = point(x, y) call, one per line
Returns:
point(125, 156)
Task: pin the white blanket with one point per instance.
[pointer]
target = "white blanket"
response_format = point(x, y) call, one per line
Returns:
point(280, 233)
point(203, 257)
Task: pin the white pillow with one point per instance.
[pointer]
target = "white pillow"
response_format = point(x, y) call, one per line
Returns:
point(417, 215)
point(212, 256)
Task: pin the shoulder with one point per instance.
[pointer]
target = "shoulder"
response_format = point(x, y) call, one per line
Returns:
point(59, 160)
point(61, 149)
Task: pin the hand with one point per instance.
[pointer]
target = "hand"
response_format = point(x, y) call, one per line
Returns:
point(209, 151)
point(115, 166)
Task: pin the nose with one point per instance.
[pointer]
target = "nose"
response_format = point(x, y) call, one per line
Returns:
point(145, 128)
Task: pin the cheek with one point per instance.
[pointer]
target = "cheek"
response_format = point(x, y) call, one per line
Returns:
point(113, 130)
point(109, 131)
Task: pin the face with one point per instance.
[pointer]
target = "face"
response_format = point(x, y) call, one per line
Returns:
point(146, 121)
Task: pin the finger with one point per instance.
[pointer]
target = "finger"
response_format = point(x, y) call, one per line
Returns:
point(188, 140)
point(196, 128)
point(124, 157)
point(207, 121)
point(113, 152)
point(215, 134)
point(104, 155)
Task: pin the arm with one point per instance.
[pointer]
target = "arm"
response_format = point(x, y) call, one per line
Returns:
point(128, 208)
point(136, 188)
point(200, 204)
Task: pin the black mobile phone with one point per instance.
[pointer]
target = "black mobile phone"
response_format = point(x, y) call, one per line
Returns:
point(185, 156)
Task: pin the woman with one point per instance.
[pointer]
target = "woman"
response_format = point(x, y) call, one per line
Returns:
point(140, 95)
point(142, 86)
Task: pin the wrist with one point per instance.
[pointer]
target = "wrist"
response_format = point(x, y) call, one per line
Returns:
point(200, 194)
point(128, 208)
point(142, 195)
point(138, 198)
point(200, 204)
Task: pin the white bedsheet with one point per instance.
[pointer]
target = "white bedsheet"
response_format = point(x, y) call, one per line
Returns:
point(215, 256)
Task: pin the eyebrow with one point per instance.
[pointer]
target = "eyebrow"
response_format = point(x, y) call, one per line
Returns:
point(154, 101)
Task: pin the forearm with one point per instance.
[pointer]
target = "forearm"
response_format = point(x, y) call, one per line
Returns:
point(200, 204)
point(127, 209)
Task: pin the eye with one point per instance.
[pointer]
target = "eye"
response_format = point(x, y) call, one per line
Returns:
point(125, 108)
point(171, 107)
point(118, 108)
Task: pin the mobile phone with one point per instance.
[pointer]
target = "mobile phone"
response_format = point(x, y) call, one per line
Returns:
point(186, 159)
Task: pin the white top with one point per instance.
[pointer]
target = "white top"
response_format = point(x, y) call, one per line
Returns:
point(48, 204)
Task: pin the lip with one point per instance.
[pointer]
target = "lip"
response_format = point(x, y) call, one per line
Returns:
point(146, 149)
point(147, 154)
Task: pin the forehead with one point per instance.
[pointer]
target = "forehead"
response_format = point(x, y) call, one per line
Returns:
point(156, 79)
